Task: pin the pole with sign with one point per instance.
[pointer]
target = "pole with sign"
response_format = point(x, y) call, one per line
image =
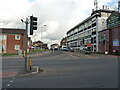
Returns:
point(25, 52)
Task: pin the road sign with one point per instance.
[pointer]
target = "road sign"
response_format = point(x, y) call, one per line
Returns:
point(116, 43)
point(19, 52)
point(89, 45)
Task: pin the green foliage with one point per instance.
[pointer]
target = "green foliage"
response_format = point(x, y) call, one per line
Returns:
point(37, 50)
point(34, 51)
point(8, 54)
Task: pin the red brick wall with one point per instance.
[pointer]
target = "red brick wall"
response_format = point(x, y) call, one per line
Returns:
point(112, 35)
point(116, 36)
point(101, 47)
point(11, 42)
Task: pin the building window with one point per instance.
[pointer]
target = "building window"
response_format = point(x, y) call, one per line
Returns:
point(17, 37)
point(3, 37)
point(94, 41)
point(17, 47)
point(94, 33)
point(94, 24)
point(2, 48)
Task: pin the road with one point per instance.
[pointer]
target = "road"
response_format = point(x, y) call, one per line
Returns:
point(65, 70)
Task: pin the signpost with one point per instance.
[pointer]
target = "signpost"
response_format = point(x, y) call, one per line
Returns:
point(33, 26)
point(115, 43)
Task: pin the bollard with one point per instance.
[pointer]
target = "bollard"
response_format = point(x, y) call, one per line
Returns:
point(30, 63)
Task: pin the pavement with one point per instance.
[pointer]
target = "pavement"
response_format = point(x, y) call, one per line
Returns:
point(91, 56)
point(87, 56)
point(34, 70)
point(8, 74)
point(21, 56)
point(21, 72)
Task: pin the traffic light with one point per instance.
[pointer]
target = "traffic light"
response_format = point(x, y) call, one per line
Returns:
point(33, 24)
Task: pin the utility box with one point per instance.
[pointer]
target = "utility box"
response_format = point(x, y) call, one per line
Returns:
point(19, 52)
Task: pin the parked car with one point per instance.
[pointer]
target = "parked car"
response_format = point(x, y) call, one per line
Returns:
point(86, 51)
point(71, 49)
point(64, 49)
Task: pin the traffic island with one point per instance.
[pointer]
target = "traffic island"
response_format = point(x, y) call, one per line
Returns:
point(34, 70)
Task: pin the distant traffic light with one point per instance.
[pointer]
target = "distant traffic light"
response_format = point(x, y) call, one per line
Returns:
point(33, 24)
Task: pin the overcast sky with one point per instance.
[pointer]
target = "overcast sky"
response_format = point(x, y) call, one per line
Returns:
point(58, 15)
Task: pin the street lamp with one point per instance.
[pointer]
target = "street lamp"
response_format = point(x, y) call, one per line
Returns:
point(25, 52)
point(105, 43)
point(41, 35)
point(119, 6)
point(77, 38)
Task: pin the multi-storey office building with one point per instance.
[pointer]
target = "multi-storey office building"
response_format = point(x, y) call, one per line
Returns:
point(85, 34)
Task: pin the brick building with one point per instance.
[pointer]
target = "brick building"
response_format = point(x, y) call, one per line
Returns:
point(12, 40)
point(63, 42)
point(109, 39)
point(37, 44)
point(40, 45)
point(54, 46)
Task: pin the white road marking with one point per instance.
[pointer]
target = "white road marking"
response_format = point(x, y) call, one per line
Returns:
point(5, 89)
point(11, 81)
point(8, 85)
point(66, 58)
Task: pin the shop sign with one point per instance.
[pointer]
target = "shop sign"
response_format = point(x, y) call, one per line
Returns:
point(115, 43)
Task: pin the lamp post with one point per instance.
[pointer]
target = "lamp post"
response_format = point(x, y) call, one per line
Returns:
point(105, 43)
point(119, 6)
point(41, 36)
point(2, 47)
point(25, 52)
point(77, 39)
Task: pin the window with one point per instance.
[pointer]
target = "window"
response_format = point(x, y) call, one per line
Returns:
point(3, 37)
point(79, 28)
point(94, 41)
point(17, 37)
point(93, 33)
point(2, 47)
point(94, 24)
point(17, 47)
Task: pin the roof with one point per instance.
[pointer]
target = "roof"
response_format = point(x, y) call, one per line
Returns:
point(103, 10)
point(54, 44)
point(12, 31)
point(37, 42)
point(110, 28)
point(114, 13)
point(113, 20)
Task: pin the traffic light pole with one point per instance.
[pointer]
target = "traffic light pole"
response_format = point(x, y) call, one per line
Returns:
point(42, 29)
point(33, 26)
point(26, 22)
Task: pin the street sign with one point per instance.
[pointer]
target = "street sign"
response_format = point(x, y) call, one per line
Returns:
point(116, 43)
point(19, 52)
point(89, 45)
